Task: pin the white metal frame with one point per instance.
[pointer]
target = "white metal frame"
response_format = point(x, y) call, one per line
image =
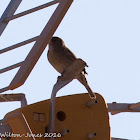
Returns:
point(41, 41)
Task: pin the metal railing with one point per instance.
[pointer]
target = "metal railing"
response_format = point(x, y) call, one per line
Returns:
point(41, 41)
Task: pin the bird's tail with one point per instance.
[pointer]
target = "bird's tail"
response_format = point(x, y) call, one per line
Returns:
point(82, 79)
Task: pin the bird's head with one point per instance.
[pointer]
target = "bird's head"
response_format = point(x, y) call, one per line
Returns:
point(56, 42)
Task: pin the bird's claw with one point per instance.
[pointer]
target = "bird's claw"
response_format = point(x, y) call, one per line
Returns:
point(58, 78)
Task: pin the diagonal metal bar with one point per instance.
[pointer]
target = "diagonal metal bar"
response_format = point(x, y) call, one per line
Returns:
point(18, 45)
point(10, 10)
point(11, 67)
point(4, 89)
point(40, 44)
point(7, 19)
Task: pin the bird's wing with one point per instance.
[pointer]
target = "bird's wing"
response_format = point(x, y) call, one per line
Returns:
point(72, 56)
point(69, 54)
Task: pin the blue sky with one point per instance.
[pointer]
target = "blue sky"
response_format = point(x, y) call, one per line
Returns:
point(104, 33)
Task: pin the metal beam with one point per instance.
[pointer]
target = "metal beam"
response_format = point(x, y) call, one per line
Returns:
point(14, 97)
point(118, 139)
point(18, 45)
point(11, 67)
point(10, 10)
point(115, 108)
point(40, 44)
point(4, 89)
point(133, 106)
point(7, 19)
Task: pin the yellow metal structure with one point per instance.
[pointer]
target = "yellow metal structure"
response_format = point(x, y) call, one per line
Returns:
point(77, 118)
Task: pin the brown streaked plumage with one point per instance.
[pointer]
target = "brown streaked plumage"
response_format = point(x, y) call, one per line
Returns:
point(61, 58)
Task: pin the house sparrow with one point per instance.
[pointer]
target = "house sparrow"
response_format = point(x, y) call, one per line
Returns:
point(61, 58)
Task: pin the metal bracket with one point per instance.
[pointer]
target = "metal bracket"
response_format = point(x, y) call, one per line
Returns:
point(70, 74)
point(116, 108)
point(14, 97)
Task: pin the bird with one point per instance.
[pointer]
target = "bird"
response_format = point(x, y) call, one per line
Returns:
point(61, 57)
